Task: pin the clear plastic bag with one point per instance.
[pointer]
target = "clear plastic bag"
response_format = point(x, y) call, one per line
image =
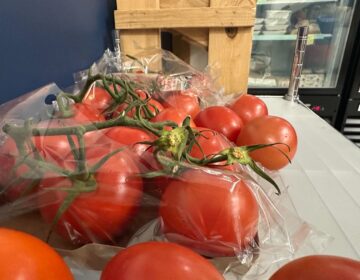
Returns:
point(99, 166)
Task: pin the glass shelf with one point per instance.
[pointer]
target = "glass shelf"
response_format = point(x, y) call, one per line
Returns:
point(329, 23)
point(270, 2)
point(288, 37)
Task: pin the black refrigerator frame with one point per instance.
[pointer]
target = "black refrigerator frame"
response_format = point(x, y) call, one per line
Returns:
point(348, 121)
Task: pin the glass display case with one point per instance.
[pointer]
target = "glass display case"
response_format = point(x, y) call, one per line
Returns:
point(274, 38)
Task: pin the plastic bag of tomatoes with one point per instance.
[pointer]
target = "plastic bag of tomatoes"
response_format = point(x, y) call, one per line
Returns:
point(135, 153)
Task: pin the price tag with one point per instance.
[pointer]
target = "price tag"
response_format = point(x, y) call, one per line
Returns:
point(311, 39)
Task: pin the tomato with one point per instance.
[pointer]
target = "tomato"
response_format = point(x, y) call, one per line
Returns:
point(159, 261)
point(130, 136)
point(212, 214)
point(154, 186)
point(154, 106)
point(100, 215)
point(249, 107)
point(319, 267)
point(23, 256)
point(84, 114)
point(211, 143)
point(11, 187)
point(221, 119)
point(267, 130)
point(98, 98)
point(172, 114)
point(185, 100)
point(57, 147)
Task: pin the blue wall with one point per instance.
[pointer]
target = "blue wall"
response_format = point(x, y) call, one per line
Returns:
point(43, 41)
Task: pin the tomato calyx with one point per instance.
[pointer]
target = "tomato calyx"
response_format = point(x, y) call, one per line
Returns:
point(237, 155)
point(80, 183)
point(77, 188)
point(173, 141)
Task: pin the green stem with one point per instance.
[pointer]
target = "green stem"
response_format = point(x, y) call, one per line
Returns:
point(77, 188)
point(107, 88)
point(42, 165)
point(17, 131)
point(64, 108)
point(91, 79)
point(207, 160)
point(81, 162)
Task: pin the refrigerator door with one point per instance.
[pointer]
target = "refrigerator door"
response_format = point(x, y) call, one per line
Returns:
point(274, 41)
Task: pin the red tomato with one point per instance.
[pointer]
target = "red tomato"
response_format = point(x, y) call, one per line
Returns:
point(211, 143)
point(221, 119)
point(159, 261)
point(185, 100)
point(130, 136)
point(100, 215)
point(23, 256)
point(10, 186)
point(154, 106)
point(98, 98)
point(267, 130)
point(172, 114)
point(152, 186)
point(319, 267)
point(249, 107)
point(57, 147)
point(84, 114)
point(209, 213)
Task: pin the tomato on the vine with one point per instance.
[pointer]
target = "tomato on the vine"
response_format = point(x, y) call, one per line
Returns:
point(98, 98)
point(56, 147)
point(12, 186)
point(153, 186)
point(129, 136)
point(209, 213)
point(249, 107)
point(211, 142)
point(97, 215)
point(319, 267)
point(24, 256)
point(221, 119)
point(159, 261)
point(83, 113)
point(172, 114)
point(153, 105)
point(185, 100)
point(268, 130)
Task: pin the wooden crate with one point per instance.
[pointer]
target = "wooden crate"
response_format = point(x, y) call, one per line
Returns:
point(224, 27)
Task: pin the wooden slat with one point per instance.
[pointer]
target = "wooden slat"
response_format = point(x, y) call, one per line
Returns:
point(183, 3)
point(184, 17)
point(232, 55)
point(134, 41)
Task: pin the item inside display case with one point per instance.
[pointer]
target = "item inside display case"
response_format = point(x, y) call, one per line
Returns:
point(276, 25)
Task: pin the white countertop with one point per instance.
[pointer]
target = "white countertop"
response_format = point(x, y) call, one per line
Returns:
point(323, 183)
point(324, 178)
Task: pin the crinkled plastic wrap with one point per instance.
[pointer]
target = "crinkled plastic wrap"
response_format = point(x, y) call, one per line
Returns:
point(99, 168)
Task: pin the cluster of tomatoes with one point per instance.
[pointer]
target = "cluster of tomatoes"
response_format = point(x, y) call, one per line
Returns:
point(88, 185)
point(99, 208)
point(26, 257)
